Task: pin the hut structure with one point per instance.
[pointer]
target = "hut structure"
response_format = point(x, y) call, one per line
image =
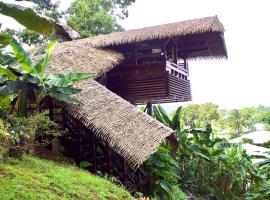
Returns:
point(141, 66)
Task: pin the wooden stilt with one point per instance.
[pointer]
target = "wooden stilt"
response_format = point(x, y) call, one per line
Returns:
point(124, 172)
point(149, 108)
point(94, 155)
point(109, 159)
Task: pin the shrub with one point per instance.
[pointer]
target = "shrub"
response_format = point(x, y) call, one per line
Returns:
point(5, 139)
point(19, 135)
point(163, 176)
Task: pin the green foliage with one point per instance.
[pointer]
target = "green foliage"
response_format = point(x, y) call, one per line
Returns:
point(35, 22)
point(25, 78)
point(163, 176)
point(208, 112)
point(32, 38)
point(236, 122)
point(212, 168)
point(190, 113)
point(5, 139)
point(37, 125)
point(27, 17)
point(19, 135)
point(93, 17)
point(251, 117)
point(31, 178)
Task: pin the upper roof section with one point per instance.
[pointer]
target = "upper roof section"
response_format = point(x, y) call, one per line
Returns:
point(201, 37)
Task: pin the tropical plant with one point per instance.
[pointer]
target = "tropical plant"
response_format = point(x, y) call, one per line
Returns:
point(236, 122)
point(35, 22)
point(28, 82)
point(208, 112)
point(5, 139)
point(163, 176)
point(190, 114)
point(211, 167)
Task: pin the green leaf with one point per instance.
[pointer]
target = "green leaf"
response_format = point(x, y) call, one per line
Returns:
point(41, 65)
point(66, 90)
point(66, 98)
point(59, 82)
point(3, 79)
point(41, 24)
point(5, 91)
point(10, 75)
point(4, 38)
point(21, 56)
point(175, 123)
point(27, 17)
point(158, 115)
point(202, 156)
point(70, 76)
point(6, 101)
point(165, 186)
point(164, 115)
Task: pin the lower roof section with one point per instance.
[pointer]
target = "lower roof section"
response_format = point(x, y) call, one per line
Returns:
point(130, 132)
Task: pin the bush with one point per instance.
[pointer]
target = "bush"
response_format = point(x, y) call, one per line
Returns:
point(19, 135)
point(163, 176)
point(5, 139)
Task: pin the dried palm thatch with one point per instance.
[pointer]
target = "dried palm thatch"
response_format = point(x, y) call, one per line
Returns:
point(188, 27)
point(131, 133)
point(71, 57)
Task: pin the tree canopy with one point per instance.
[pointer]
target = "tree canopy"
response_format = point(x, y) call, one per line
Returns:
point(93, 17)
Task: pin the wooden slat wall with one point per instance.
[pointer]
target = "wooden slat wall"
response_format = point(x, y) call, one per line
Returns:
point(179, 89)
point(150, 82)
point(139, 83)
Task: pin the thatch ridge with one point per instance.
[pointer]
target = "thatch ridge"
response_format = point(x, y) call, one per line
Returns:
point(130, 132)
point(187, 27)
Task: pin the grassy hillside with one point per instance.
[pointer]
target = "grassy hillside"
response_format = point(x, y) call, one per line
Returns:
point(33, 178)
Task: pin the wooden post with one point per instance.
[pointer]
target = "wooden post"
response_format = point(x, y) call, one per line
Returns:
point(109, 159)
point(137, 179)
point(94, 155)
point(79, 132)
point(149, 108)
point(124, 172)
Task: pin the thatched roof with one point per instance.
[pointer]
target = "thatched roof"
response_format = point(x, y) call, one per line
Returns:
point(188, 27)
point(130, 132)
point(72, 57)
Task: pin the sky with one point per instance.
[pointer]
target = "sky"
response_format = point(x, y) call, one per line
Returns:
point(243, 79)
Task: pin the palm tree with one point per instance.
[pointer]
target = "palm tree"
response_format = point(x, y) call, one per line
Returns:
point(236, 121)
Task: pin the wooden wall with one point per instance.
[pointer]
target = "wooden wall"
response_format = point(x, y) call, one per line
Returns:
point(149, 82)
point(139, 83)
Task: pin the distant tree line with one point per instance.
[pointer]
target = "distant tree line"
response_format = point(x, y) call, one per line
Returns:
point(234, 122)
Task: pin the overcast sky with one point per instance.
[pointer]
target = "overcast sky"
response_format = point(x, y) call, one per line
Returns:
point(243, 79)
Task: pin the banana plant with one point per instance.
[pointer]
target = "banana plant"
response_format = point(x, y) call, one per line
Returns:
point(28, 80)
point(35, 22)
